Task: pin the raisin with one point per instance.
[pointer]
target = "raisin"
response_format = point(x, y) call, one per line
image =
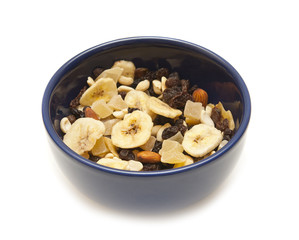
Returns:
point(172, 82)
point(170, 93)
point(76, 101)
point(151, 167)
point(93, 158)
point(169, 132)
point(140, 73)
point(216, 115)
point(179, 101)
point(161, 120)
point(150, 76)
point(157, 147)
point(126, 154)
point(185, 85)
point(97, 71)
point(222, 125)
point(71, 118)
point(183, 129)
point(130, 110)
point(123, 94)
point(166, 166)
point(77, 113)
point(162, 72)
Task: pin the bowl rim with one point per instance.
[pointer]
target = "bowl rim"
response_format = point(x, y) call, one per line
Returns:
point(145, 39)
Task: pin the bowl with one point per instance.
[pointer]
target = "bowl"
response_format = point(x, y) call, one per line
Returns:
point(157, 190)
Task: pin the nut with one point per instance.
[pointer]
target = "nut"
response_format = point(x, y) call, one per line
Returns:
point(143, 85)
point(157, 86)
point(65, 124)
point(90, 81)
point(163, 83)
point(124, 88)
point(134, 166)
point(148, 157)
point(90, 113)
point(125, 80)
point(200, 95)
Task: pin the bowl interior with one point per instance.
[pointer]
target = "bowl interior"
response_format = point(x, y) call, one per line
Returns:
point(200, 66)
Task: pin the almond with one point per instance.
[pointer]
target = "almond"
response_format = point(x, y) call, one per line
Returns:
point(200, 95)
point(90, 113)
point(148, 157)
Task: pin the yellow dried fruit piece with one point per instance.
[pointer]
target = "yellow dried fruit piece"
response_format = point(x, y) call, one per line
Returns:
point(109, 123)
point(193, 110)
point(113, 73)
point(171, 146)
point(228, 115)
point(149, 145)
point(191, 121)
point(117, 103)
point(101, 108)
point(173, 157)
point(113, 163)
point(188, 161)
point(111, 147)
point(100, 148)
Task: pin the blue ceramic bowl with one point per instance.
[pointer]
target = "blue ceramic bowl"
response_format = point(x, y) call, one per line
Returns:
point(164, 189)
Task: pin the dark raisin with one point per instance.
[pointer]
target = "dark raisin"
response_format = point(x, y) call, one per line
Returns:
point(93, 158)
point(216, 115)
point(126, 154)
point(72, 118)
point(140, 73)
point(161, 120)
point(170, 93)
point(122, 94)
point(179, 122)
point(162, 72)
point(130, 110)
point(222, 125)
point(179, 101)
point(169, 132)
point(78, 113)
point(172, 82)
point(166, 166)
point(150, 75)
point(157, 147)
point(174, 75)
point(183, 129)
point(185, 85)
point(151, 167)
point(76, 101)
point(97, 71)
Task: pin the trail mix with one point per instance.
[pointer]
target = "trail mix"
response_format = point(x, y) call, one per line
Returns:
point(141, 120)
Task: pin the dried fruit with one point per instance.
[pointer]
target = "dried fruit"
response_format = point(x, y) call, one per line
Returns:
point(169, 132)
point(200, 95)
point(126, 154)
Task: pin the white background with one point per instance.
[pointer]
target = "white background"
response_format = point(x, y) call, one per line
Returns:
point(259, 200)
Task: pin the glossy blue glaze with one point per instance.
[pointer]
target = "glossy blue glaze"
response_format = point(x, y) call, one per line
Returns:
point(165, 189)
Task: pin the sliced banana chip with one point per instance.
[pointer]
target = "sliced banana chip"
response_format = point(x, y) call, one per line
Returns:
point(139, 99)
point(133, 131)
point(161, 108)
point(104, 88)
point(113, 73)
point(201, 139)
point(83, 134)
